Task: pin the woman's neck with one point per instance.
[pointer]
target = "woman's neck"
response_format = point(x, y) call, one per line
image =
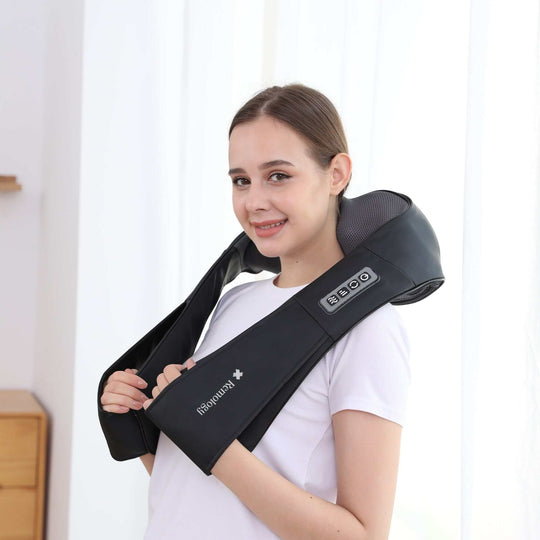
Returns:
point(301, 270)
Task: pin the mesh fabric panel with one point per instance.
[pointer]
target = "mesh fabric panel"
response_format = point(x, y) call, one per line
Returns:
point(362, 216)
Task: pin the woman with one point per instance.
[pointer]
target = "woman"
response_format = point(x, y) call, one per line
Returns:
point(327, 466)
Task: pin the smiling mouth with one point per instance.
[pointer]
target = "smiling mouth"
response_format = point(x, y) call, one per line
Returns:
point(264, 227)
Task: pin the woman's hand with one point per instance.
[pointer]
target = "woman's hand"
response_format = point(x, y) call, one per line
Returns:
point(170, 372)
point(122, 392)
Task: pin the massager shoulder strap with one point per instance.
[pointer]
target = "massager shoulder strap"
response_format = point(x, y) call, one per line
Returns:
point(236, 392)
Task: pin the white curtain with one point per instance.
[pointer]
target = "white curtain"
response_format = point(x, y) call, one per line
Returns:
point(501, 325)
point(439, 101)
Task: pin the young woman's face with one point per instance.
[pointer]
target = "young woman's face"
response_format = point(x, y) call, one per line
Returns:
point(281, 196)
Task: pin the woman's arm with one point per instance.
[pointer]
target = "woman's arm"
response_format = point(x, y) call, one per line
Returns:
point(367, 455)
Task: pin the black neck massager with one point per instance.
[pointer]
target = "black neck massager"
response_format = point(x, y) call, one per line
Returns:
point(391, 255)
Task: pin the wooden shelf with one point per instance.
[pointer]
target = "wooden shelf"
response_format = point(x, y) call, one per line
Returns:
point(9, 183)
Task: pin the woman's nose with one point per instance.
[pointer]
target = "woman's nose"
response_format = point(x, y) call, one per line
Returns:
point(257, 198)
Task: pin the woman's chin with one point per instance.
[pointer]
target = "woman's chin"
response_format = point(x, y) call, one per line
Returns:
point(265, 248)
point(267, 251)
point(271, 247)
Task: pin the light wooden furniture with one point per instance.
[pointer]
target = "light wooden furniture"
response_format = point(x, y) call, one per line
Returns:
point(9, 183)
point(23, 444)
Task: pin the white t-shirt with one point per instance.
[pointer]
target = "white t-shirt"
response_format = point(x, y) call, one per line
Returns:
point(366, 370)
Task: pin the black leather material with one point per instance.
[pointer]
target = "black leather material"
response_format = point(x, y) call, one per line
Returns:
point(173, 340)
point(206, 408)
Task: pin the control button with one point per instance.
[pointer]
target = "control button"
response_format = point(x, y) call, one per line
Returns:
point(332, 300)
point(355, 285)
point(343, 292)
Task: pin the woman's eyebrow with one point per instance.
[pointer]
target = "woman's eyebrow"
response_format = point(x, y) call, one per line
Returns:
point(262, 166)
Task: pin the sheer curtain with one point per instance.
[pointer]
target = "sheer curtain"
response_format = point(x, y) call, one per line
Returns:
point(500, 355)
point(439, 101)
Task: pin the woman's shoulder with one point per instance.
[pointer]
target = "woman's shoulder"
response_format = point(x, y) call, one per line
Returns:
point(385, 319)
point(369, 368)
point(380, 334)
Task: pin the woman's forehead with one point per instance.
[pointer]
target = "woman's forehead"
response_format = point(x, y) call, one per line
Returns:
point(263, 140)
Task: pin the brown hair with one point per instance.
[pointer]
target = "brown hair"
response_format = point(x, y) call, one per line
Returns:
point(309, 112)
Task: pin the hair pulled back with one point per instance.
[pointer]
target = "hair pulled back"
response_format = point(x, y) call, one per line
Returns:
point(306, 110)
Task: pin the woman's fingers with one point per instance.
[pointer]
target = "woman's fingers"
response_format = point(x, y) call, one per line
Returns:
point(123, 389)
point(169, 374)
point(128, 378)
point(119, 409)
point(147, 403)
point(161, 383)
point(110, 400)
point(172, 371)
point(121, 392)
point(119, 403)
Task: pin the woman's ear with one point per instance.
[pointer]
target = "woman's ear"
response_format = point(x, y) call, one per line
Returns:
point(340, 169)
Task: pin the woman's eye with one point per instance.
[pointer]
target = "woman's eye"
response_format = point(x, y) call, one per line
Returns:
point(279, 177)
point(239, 181)
point(275, 178)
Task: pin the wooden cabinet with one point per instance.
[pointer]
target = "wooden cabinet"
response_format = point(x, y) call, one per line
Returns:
point(23, 444)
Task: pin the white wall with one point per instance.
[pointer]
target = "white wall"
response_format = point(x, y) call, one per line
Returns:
point(40, 85)
point(58, 245)
point(22, 39)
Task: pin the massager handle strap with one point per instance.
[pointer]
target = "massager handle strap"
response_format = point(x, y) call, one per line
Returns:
point(206, 408)
point(173, 340)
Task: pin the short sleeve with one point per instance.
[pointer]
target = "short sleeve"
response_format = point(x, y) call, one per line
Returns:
point(369, 367)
